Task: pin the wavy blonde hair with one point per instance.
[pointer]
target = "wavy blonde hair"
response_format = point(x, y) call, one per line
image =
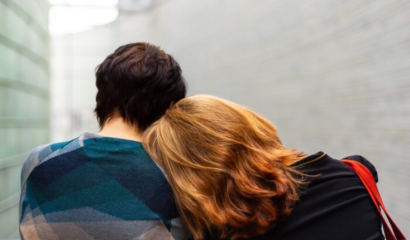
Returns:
point(227, 167)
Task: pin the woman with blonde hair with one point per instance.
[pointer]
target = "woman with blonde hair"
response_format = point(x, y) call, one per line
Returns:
point(233, 178)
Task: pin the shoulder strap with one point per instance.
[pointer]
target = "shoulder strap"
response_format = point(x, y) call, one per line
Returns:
point(392, 232)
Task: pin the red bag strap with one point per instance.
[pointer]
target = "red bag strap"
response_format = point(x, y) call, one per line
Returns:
point(393, 232)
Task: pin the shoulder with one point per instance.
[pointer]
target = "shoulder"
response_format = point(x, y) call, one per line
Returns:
point(366, 163)
point(33, 159)
point(45, 152)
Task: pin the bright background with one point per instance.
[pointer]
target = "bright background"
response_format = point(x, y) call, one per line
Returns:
point(331, 75)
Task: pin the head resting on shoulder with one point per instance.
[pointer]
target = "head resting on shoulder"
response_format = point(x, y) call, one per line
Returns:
point(227, 166)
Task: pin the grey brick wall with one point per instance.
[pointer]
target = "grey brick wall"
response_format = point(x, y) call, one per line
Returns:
point(332, 75)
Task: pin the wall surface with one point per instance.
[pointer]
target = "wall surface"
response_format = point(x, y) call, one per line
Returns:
point(332, 75)
point(24, 97)
point(73, 59)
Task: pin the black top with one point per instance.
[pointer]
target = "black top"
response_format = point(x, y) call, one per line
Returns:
point(334, 206)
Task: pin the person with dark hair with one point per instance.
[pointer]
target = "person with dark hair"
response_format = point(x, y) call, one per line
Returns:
point(105, 186)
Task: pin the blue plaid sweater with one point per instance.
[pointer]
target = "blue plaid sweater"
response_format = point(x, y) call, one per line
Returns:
point(95, 187)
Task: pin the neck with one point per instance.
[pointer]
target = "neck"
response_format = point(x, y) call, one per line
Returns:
point(117, 127)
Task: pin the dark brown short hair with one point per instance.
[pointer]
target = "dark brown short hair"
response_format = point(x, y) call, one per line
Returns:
point(139, 81)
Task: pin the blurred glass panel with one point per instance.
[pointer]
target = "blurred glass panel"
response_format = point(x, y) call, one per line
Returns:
point(37, 10)
point(15, 27)
point(24, 103)
point(2, 18)
point(34, 74)
point(15, 103)
point(9, 183)
point(8, 63)
point(9, 221)
point(3, 140)
point(3, 99)
point(36, 43)
point(14, 138)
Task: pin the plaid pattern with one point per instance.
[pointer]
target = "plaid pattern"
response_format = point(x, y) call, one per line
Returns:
point(96, 187)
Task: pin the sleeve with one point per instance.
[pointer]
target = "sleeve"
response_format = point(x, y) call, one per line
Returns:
point(366, 163)
point(29, 164)
point(32, 160)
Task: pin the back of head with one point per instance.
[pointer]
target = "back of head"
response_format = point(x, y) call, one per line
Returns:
point(226, 165)
point(139, 81)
